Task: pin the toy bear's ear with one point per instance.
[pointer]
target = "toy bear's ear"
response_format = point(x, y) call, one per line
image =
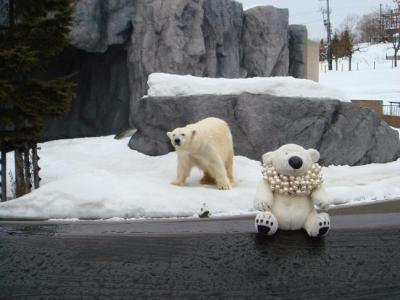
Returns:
point(267, 158)
point(314, 155)
point(169, 134)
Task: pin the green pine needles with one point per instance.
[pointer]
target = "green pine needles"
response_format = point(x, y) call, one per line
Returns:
point(31, 33)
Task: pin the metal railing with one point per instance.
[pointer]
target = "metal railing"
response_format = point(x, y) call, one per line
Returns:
point(393, 109)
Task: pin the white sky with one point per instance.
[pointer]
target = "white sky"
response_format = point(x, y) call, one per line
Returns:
point(308, 12)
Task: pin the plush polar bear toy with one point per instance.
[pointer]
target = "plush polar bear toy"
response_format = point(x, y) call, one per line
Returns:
point(290, 188)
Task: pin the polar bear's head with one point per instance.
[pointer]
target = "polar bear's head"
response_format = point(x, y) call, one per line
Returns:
point(181, 138)
point(291, 159)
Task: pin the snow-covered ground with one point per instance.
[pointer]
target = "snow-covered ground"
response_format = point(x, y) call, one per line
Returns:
point(375, 78)
point(101, 178)
point(161, 84)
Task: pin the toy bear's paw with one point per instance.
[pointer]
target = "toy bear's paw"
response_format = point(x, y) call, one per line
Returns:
point(321, 226)
point(266, 223)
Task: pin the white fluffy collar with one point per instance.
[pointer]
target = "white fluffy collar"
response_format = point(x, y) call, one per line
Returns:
point(293, 185)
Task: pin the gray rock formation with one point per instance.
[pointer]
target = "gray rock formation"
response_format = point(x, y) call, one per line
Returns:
point(297, 50)
point(99, 24)
point(166, 37)
point(343, 133)
point(222, 30)
point(265, 42)
point(209, 38)
point(101, 106)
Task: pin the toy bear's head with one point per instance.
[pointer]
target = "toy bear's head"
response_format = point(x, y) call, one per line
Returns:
point(291, 159)
point(182, 137)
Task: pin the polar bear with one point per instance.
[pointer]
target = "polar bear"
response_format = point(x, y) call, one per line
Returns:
point(290, 187)
point(207, 145)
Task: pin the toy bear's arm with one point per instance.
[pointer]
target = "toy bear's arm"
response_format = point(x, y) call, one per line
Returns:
point(264, 197)
point(320, 198)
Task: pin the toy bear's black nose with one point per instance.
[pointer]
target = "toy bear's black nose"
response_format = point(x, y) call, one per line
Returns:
point(177, 142)
point(295, 162)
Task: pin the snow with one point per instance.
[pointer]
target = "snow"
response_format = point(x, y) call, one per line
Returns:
point(366, 83)
point(101, 178)
point(162, 84)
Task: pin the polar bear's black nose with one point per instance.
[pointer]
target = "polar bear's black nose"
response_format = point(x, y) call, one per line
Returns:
point(177, 141)
point(295, 162)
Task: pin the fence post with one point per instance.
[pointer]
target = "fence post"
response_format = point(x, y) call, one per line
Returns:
point(3, 178)
point(19, 173)
point(27, 170)
point(36, 168)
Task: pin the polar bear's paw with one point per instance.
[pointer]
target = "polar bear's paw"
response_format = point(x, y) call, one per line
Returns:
point(321, 226)
point(225, 185)
point(266, 223)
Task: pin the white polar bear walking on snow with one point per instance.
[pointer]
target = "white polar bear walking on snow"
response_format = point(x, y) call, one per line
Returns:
point(287, 193)
point(207, 145)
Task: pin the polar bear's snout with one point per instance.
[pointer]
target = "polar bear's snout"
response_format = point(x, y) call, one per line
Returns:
point(177, 142)
point(295, 162)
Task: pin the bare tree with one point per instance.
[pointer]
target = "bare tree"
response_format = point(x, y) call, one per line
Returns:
point(369, 28)
point(350, 24)
point(391, 24)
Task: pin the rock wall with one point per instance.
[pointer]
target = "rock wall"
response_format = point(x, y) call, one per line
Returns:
point(298, 38)
point(265, 42)
point(102, 102)
point(343, 133)
point(210, 38)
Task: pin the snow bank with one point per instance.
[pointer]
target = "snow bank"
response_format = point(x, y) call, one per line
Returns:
point(366, 83)
point(101, 178)
point(161, 84)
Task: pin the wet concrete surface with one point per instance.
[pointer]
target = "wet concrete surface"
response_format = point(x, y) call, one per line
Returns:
point(208, 259)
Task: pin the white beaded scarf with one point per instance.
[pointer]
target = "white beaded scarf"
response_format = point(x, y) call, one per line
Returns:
point(293, 185)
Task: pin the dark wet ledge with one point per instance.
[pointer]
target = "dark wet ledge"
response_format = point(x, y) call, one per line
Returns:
point(385, 214)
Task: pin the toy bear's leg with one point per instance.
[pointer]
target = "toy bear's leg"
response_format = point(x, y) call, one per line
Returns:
point(317, 224)
point(266, 223)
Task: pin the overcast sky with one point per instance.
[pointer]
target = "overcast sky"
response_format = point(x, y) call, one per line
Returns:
point(308, 12)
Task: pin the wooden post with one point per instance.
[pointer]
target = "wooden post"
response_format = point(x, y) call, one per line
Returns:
point(3, 179)
point(27, 170)
point(35, 165)
point(19, 173)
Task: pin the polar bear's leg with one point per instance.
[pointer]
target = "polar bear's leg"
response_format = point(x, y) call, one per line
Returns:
point(207, 179)
point(317, 224)
point(266, 223)
point(217, 170)
point(229, 167)
point(183, 170)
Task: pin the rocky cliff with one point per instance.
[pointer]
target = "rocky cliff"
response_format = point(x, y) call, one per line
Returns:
point(116, 44)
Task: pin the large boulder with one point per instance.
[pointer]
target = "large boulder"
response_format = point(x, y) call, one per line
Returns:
point(265, 42)
point(343, 133)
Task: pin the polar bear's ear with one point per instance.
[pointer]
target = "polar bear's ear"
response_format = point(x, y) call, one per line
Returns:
point(267, 158)
point(169, 134)
point(314, 154)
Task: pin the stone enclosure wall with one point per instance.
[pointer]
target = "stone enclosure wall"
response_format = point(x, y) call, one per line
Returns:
point(116, 44)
